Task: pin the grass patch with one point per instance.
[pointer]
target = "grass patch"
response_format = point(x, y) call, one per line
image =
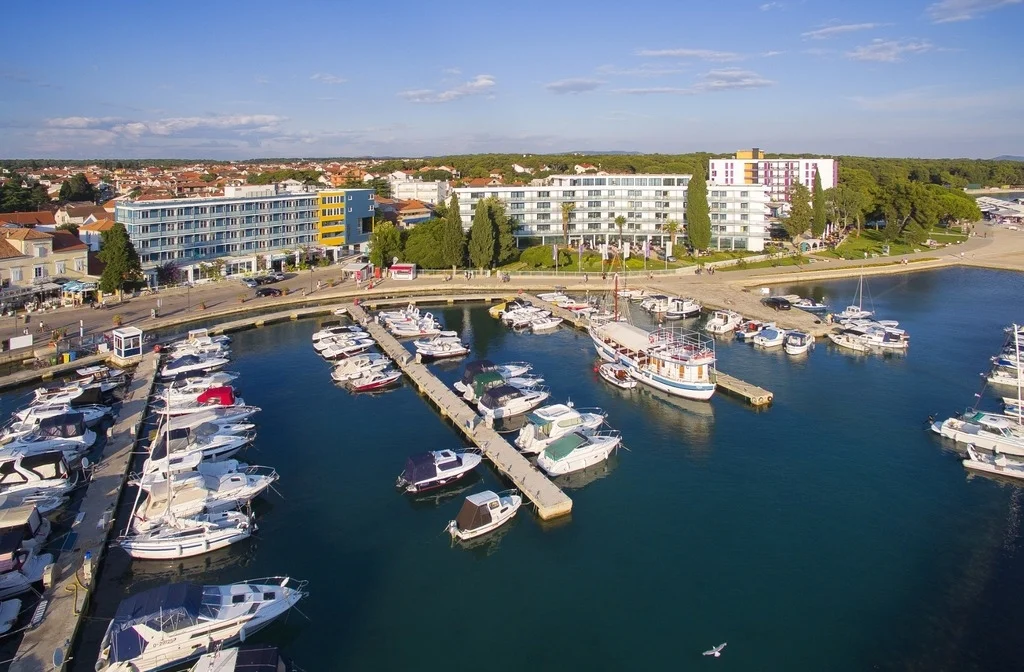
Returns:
point(767, 263)
point(872, 242)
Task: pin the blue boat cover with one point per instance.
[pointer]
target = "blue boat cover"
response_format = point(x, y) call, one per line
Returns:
point(166, 608)
point(419, 467)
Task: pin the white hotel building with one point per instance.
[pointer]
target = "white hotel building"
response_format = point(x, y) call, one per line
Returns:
point(738, 213)
point(750, 167)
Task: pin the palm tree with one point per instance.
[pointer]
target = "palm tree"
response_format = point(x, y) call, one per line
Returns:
point(620, 222)
point(671, 228)
point(567, 208)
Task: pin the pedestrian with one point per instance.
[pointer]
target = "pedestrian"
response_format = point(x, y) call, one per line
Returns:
point(586, 278)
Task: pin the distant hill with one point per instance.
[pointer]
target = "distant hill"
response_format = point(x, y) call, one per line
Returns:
point(1008, 157)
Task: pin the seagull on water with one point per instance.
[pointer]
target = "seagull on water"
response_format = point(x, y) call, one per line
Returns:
point(716, 651)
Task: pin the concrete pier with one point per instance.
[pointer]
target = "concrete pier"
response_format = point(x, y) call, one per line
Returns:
point(67, 599)
point(550, 501)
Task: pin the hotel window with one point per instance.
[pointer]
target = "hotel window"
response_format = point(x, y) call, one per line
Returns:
point(543, 194)
point(518, 194)
point(517, 206)
point(476, 194)
point(593, 204)
point(543, 227)
point(543, 216)
point(744, 194)
point(611, 226)
point(744, 217)
point(633, 193)
point(593, 226)
point(544, 205)
point(39, 272)
point(743, 206)
point(593, 215)
point(594, 192)
point(611, 204)
point(568, 194)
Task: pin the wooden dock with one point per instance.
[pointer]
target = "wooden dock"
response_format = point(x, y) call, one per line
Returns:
point(66, 601)
point(757, 396)
point(550, 501)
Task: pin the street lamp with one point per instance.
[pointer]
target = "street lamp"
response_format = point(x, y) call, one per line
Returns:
point(311, 279)
point(188, 294)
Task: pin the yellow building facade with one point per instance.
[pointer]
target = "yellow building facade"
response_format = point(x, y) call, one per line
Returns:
point(330, 217)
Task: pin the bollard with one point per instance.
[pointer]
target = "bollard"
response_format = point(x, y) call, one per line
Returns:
point(87, 567)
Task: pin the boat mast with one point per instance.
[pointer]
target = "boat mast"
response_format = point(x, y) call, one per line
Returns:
point(1020, 370)
point(615, 316)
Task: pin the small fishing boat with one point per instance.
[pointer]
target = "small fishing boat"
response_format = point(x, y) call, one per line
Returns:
point(545, 324)
point(811, 306)
point(617, 375)
point(722, 322)
point(164, 627)
point(798, 342)
point(443, 346)
point(772, 337)
point(436, 469)
point(577, 451)
point(997, 464)
point(680, 308)
point(375, 380)
point(849, 341)
point(549, 423)
point(483, 512)
point(747, 329)
point(655, 303)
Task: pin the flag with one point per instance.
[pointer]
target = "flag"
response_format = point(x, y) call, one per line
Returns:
point(581, 247)
point(647, 249)
point(554, 252)
point(604, 251)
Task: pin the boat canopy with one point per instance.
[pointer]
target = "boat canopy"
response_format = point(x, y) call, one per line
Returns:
point(561, 448)
point(475, 512)
point(164, 609)
point(64, 426)
point(24, 516)
point(477, 367)
point(419, 467)
point(496, 397)
point(10, 544)
point(486, 381)
point(89, 395)
point(218, 396)
point(184, 360)
point(627, 336)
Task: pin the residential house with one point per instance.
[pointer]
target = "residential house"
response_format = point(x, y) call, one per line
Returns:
point(581, 168)
point(413, 212)
point(44, 255)
point(35, 218)
point(77, 214)
point(90, 232)
point(477, 182)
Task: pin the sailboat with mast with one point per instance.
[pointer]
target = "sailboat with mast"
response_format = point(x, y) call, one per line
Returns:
point(855, 312)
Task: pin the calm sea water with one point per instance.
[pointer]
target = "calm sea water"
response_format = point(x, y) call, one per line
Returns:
point(830, 531)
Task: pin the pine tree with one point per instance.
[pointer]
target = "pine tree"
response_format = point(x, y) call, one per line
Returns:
point(800, 216)
point(482, 240)
point(77, 189)
point(698, 221)
point(505, 229)
point(121, 259)
point(452, 239)
point(819, 205)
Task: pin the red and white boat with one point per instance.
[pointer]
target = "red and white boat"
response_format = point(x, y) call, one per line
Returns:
point(375, 380)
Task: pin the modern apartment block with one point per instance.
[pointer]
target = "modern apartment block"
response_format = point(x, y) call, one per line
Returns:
point(416, 190)
point(751, 167)
point(247, 222)
point(646, 201)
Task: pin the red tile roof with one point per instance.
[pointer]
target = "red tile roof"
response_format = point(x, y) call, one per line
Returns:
point(23, 234)
point(28, 218)
point(65, 241)
point(8, 251)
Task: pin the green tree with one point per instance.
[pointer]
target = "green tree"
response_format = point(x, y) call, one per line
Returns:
point(121, 259)
point(698, 219)
point(800, 215)
point(452, 239)
point(380, 186)
point(505, 228)
point(954, 206)
point(567, 209)
point(423, 245)
point(72, 228)
point(77, 189)
point(620, 224)
point(482, 241)
point(385, 243)
point(819, 207)
point(671, 228)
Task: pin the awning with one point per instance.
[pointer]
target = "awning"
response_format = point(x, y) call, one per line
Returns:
point(354, 266)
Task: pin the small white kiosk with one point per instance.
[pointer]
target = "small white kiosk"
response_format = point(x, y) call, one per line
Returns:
point(127, 345)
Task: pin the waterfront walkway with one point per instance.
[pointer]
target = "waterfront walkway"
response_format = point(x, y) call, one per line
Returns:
point(550, 501)
point(67, 600)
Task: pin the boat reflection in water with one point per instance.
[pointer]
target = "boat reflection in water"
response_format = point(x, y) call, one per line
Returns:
point(694, 419)
point(141, 575)
point(584, 477)
point(431, 499)
point(487, 544)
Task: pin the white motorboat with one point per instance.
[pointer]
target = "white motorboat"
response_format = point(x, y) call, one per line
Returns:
point(655, 303)
point(989, 431)
point(798, 342)
point(195, 492)
point(45, 474)
point(248, 658)
point(445, 345)
point(436, 469)
point(507, 370)
point(357, 366)
point(223, 397)
point(217, 415)
point(676, 361)
point(175, 538)
point(997, 464)
point(553, 297)
point(65, 432)
point(1004, 377)
point(409, 312)
point(811, 306)
point(483, 512)
point(506, 401)
point(332, 332)
point(849, 341)
point(44, 503)
point(491, 379)
point(185, 386)
point(723, 322)
point(20, 568)
point(680, 308)
point(549, 423)
point(25, 521)
point(527, 320)
point(512, 315)
point(748, 329)
point(577, 451)
point(208, 349)
point(341, 351)
point(375, 380)
point(617, 375)
point(9, 611)
point(632, 294)
point(166, 626)
point(192, 364)
point(347, 339)
point(545, 324)
point(73, 393)
point(771, 337)
point(27, 420)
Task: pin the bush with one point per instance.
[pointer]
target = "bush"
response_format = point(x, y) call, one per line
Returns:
point(541, 257)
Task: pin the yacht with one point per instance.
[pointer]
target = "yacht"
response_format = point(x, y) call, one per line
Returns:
point(248, 658)
point(677, 361)
point(549, 423)
point(205, 349)
point(217, 415)
point(65, 432)
point(355, 367)
point(27, 420)
point(336, 331)
point(375, 380)
point(655, 303)
point(193, 493)
point(855, 312)
point(186, 388)
point(811, 306)
point(192, 364)
point(20, 567)
point(44, 474)
point(163, 627)
point(984, 430)
point(343, 350)
point(722, 322)
point(617, 375)
point(682, 308)
point(486, 381)
point(223, 396)
point(436, 469)
point(426, 326)
point(174, 538)
point(997, 464)
point(482, 513)
point(848, 341)
point(798, 342)
point(507, 370)
point(214, 442)
point(73, 393)
point(772, 337)
point(506, 401)
point(347, 339)
point(577, 451)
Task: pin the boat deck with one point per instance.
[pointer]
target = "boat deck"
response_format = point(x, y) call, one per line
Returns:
point(550, 501)
point(68, 597)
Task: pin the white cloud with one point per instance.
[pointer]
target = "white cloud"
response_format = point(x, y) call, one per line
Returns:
point(826, 32)
point(770, 6)
point(700, 54)
point(889, 51)
point(327, 78)
point(479, 85)
point(451, 71)
point(769, 54)
point(81, 122)
point(946, 11)
point(176, 125)
point(725, 79)
point(563, 86)
point(642, 70)
point(935, 99)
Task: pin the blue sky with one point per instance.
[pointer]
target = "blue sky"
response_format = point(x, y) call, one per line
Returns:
point(241, 80)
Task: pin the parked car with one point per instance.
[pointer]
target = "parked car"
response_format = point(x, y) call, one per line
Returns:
point(264, 280)
point(268, 291)
point(250, 282)
point(278, 276)
point(777, 302)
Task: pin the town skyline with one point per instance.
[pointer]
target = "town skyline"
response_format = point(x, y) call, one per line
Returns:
point(920, 79)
